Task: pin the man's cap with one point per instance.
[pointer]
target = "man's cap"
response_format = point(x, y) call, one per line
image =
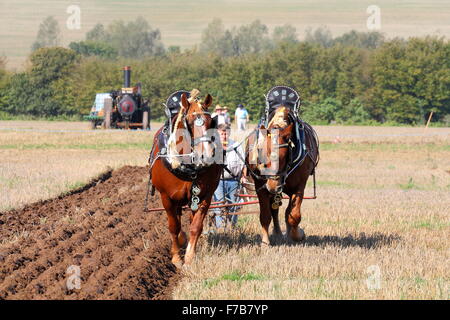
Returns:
point(240, 105)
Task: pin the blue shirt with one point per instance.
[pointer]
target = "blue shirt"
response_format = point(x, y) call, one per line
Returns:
point(241, 113)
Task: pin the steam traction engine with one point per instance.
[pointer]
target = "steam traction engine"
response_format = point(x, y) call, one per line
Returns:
point(124, 108)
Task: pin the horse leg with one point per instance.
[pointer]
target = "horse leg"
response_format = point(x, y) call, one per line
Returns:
point(293, 218)
point(182, 239)
point(174, 229)
point(265, 216)
point(195, 232)
point(286, 214)
point(276, 223)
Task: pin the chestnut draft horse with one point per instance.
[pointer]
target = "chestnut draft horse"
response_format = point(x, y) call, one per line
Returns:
point(182, 183)
point(293, 145)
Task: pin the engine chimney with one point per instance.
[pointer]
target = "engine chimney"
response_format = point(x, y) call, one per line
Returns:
point(127, 77)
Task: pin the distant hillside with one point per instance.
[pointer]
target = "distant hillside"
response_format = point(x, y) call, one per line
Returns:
point(182, 21)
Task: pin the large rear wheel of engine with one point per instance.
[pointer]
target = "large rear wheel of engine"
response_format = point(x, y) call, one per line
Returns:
point(92, 124)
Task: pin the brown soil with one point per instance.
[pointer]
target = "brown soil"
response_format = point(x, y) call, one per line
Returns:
point(122, 251)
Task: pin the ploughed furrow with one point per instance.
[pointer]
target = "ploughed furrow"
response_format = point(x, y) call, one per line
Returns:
point(93, 243)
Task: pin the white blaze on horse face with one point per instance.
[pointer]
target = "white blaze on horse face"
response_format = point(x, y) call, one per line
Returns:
point(211, 152)
point(259, 151)
point(274, 157)
point(204, 151)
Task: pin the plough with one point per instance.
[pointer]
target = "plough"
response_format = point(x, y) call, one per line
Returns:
point(224, 205)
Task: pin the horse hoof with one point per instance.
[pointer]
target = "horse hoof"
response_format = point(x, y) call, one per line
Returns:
point(278, 235)
point(265, 243)
point(177, 262)
point(302, 234)
point(297, 235)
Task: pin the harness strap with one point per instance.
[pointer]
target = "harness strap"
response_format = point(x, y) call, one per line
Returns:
point(299, 161)
point(228, 170)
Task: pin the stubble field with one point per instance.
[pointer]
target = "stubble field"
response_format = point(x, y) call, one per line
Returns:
point(378, 230)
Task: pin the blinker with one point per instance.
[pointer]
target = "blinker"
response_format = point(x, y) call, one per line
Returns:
point(199, 122)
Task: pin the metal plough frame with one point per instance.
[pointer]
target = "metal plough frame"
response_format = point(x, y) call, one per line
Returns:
point(223, 204)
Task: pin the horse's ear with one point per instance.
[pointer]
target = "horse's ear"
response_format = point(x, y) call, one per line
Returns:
point(184, 102)
point(208, 101)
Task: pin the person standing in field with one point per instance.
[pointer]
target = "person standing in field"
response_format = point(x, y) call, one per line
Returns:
point(229, 184)
point(217, 111)
point(225, 117)
point(241, 117)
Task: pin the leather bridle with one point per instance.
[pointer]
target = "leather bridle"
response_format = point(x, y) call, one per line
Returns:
point(199, 121)
point(287, 170)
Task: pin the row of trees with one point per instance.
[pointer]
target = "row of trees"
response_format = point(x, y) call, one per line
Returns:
point(255, 38)
point(134, 39)
point(137, 39)
point(251, 38)
point(357, 78)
